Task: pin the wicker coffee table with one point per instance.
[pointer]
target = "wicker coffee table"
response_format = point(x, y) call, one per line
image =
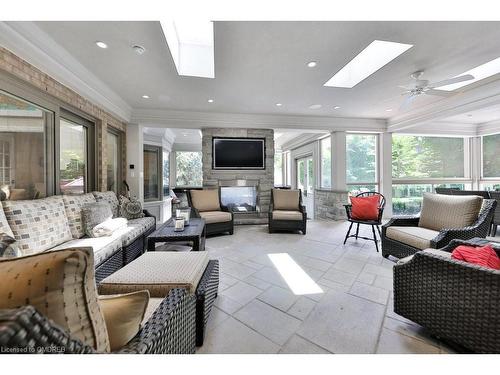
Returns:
point(194, 232)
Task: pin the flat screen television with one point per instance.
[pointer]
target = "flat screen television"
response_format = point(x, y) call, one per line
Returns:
point(239, 153)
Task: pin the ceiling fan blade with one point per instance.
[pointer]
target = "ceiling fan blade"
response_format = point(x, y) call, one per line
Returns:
point(439, 93)
point(451, 81)
point(407, 87)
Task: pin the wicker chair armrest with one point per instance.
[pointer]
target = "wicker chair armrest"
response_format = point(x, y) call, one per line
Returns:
point(171, 328)
point(302, 209)
point(25, 330)
point(478, 229)
point(402, 221)
point(348, 210)
point(195, 213)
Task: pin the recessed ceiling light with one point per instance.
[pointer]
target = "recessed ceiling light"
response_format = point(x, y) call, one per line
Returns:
point(101, 44)
point(312, 64)
point(377, 54)
point(336, 107)
point(278, 104)
point(145, 96)
point(210, 100)
point(479, 72)
point(315, 106)
point(139, 49)
point(388, 110)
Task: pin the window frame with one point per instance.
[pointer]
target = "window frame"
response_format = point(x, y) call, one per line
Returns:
point(120, 135)
point(320, 182)
point(376, 182)
point(159, 165)
point(482, 178)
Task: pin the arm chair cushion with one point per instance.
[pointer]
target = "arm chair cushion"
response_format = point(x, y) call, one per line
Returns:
point(215, 216)
point(417, 237)
point(287, 200)
point(287, 215)
point(61, 286)
point(205, 200)
point(123, 314)
point(448, 211)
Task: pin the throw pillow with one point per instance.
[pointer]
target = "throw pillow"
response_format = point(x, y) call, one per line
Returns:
point(483, 256)
point(7, 249)
point(130, 208)
point(365, 208)
point(94, 214)
point(123, 314)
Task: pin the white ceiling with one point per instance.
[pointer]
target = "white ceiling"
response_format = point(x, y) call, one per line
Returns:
point(258, 64)
point(480, 116)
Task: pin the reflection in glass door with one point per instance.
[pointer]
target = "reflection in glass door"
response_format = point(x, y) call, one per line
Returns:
point(305, 182)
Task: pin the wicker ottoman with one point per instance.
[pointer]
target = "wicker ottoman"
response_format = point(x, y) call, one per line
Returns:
point(161, 271)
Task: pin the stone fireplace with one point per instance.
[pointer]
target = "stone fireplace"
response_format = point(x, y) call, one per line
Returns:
point(248, 192)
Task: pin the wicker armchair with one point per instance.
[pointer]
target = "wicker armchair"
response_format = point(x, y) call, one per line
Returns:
point(454, 300)
point(169, 330)
point(218, 218)
point(496, 217)
point(480, 228)
point(286, 211)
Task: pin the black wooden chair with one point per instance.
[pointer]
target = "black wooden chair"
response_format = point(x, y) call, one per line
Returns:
point(374, 223)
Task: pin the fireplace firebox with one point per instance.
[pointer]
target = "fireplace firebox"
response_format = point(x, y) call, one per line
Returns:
point(240, 196)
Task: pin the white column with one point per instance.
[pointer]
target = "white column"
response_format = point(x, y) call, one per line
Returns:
point(339, 161)
point(385, 170)
point(475, 161)
point(135, 155)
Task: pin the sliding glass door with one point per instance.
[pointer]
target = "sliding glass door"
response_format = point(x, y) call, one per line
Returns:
point(305, 182)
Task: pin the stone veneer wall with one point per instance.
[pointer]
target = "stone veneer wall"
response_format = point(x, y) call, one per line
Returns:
point(329, 204)
point(28, 73)
point(211, 177)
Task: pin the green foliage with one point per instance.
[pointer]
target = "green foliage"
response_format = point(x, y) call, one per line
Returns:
point(361, 158)
point(75, 168)
point(189, 169)
point(491, 152)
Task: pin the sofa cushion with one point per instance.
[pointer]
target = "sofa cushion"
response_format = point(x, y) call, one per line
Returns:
point(414, 236)
point(145, 223)
point(109, 197)
point(128, 233)
point(205, 200)
point(449, 211)
point(287, 215)
point(103, 247)
point(158, 272)
point(215, 216)
point(94, 214)
point(39, 224)
point(130, 208)
point(4, 224)
point(61, 286)
point(73, 205)
point(286, 200)
point(123, 314)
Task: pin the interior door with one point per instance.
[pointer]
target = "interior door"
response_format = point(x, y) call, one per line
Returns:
point(305, 182)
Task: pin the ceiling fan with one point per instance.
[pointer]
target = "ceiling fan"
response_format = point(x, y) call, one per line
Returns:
point(424, 87)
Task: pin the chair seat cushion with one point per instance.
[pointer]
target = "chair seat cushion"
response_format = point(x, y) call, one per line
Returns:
point(413, 236)
point(103, 247)
point(158, 272)
point(287, 215)
point(145, 223)
point(215, 216)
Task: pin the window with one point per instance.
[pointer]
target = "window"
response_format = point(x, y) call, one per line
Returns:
point(166, 174)
point(75, 154)
point(188, 169)
point(361, 163)
point(491, 159)
point(278, 168)
point(113, 161)
point(152, 172)
point(326, 162)
point(24, 129)
point(422, 163)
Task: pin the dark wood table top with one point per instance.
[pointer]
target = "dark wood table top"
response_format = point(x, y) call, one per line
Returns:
point(166, 230)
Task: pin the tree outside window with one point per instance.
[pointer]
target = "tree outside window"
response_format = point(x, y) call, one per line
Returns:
point(188, 168)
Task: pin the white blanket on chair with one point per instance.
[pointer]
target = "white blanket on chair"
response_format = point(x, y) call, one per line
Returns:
point(106, 228)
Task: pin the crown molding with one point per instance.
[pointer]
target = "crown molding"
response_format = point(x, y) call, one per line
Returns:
point(300, 141)
point(198, 120)
point(443, 128)
point(32, 44)
point(488, 128)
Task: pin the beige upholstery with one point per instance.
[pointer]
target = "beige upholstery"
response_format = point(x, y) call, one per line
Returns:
point(441, 211)
point(287, 200)
point(215, 216)
point(123, 314)
point(205, 200)
point(61, 286)
point(158, 272)
point(441, 253)
point(153, 304)
point(413, 236)
point(287, 215)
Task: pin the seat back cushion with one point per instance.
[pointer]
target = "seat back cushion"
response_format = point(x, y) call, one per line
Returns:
point(365, 208)
point(61, 286)
point(109, 197)
point(73, 205)
point(449, 211)
point(123, 314)
point(205, 200)
point(94, 214)
point(39, 224)
point(287, 200)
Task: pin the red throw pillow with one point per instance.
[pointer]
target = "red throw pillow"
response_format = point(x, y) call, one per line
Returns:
point(484, 256)
point(365, 208)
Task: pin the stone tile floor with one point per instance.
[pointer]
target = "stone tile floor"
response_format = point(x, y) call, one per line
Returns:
point(351, 312)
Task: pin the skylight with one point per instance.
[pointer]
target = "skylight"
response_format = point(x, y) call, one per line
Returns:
point(191, 43)
point(479, 72)
point(372, 58)
point(297, 279)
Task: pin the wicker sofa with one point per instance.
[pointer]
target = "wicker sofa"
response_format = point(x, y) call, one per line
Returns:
point(206, 204)
point(56, 223)
point(286, 211)
point(454, 300)
point(442, 219)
